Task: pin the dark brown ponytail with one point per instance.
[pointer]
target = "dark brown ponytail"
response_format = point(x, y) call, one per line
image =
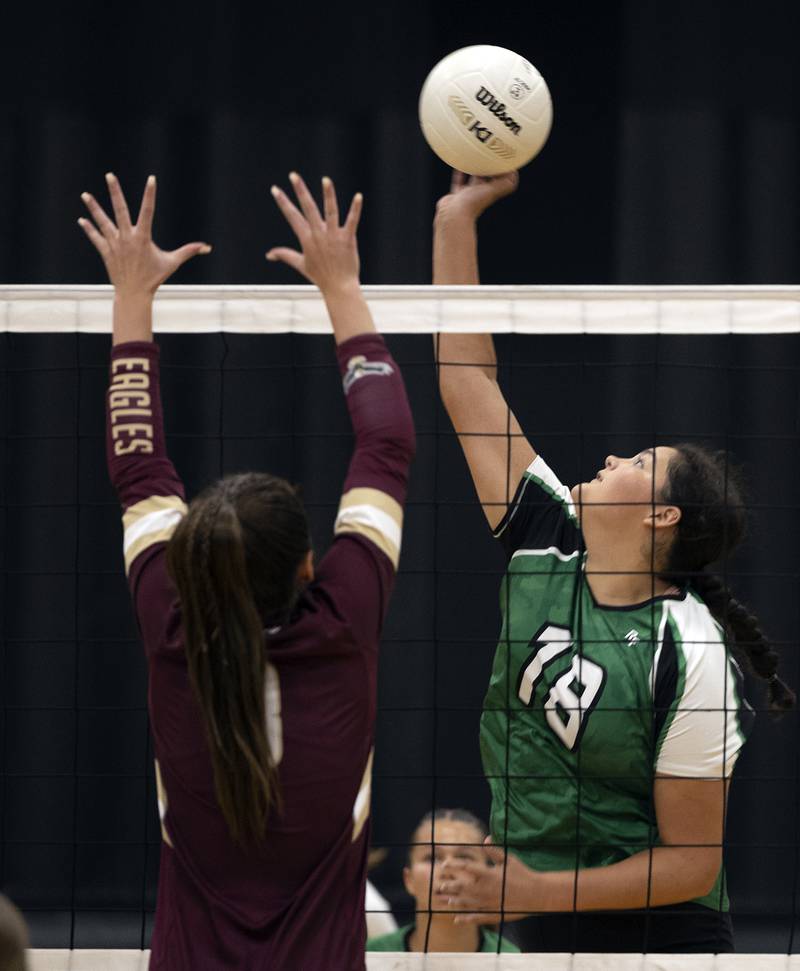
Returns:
point(235, 559)
point(708, 492)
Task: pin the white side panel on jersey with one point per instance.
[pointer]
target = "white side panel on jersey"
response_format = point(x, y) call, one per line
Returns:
point(703, 740)
point(272, 705)
point(362, 804)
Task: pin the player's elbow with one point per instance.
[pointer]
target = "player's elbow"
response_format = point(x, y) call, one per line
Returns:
point(709, 874)
point(404, 443)
point(399, 436)
point(393, 442)
point(701, 866)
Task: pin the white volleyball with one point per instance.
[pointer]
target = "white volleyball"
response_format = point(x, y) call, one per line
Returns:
point(485, 110)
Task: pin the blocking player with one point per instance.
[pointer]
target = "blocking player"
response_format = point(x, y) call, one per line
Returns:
point(262, 665)
point(614, 714)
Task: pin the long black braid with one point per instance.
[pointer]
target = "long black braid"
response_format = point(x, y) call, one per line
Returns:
point(709, 494)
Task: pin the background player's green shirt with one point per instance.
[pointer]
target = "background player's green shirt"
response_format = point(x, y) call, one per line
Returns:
point(587, 703)
point(398, 941)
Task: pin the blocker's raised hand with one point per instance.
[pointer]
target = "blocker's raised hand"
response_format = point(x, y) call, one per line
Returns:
point(134, 263)
point(329, 256)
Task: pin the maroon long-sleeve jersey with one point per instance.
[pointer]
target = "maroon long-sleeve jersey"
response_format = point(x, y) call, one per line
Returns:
point(295, 901)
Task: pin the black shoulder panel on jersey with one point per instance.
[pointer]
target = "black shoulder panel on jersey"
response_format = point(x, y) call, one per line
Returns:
point(537, 518)
point(508, 515)
point(666, 682)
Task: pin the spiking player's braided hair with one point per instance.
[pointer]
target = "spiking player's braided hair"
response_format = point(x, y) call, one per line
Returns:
point(708, 491)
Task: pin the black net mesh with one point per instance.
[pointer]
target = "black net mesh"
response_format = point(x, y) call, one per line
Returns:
point(80, 835)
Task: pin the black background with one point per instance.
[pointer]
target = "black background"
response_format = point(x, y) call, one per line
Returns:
point(673, 159)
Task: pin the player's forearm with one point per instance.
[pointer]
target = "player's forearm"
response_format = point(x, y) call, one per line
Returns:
point(348, 310)
point(381, 416)
point(463, 358)
point(136, 453)
point(455, 247)
point(132, 317)
point(667, 875)
point(455, 261)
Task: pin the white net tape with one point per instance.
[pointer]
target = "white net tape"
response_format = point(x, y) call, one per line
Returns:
point(54, 960)
point(408, 310)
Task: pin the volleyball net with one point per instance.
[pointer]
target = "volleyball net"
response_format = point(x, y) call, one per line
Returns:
point(249, 382)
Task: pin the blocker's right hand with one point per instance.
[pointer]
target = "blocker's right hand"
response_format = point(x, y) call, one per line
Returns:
point(135, 265)
point(329, 256)
point(471, 195)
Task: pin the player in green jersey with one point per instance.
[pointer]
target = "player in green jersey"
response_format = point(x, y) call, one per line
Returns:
point(446, 834)
point(614, 714)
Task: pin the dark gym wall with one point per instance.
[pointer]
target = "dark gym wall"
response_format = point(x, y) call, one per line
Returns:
point(672, 157)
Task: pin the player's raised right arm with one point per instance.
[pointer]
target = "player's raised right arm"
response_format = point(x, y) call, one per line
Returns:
point(496, 450)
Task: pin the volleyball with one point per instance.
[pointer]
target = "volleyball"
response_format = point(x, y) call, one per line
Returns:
point(485, 110)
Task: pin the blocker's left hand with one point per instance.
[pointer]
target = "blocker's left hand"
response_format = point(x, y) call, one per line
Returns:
point(482, 894)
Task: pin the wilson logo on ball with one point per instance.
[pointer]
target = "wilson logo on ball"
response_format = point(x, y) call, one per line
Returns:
point(498, 108)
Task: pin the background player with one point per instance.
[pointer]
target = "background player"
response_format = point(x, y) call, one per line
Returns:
point(614, 714)
point(447, 834)
point(262, 668)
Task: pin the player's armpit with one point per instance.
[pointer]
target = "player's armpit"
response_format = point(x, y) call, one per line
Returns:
point(691, 814)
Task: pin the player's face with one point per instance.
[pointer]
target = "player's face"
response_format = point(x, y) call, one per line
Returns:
point(625, 488)
point(453, 841)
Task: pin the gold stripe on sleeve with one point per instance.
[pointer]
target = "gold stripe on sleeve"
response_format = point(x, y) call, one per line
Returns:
point(152, 504)
point(148, 522)
point(373, 497)
point(376, 516)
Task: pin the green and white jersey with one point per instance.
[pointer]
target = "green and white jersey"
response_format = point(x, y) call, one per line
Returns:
point(587, 703)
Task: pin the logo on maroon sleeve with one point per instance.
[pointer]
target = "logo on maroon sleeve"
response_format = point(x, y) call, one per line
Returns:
point(360, 367)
